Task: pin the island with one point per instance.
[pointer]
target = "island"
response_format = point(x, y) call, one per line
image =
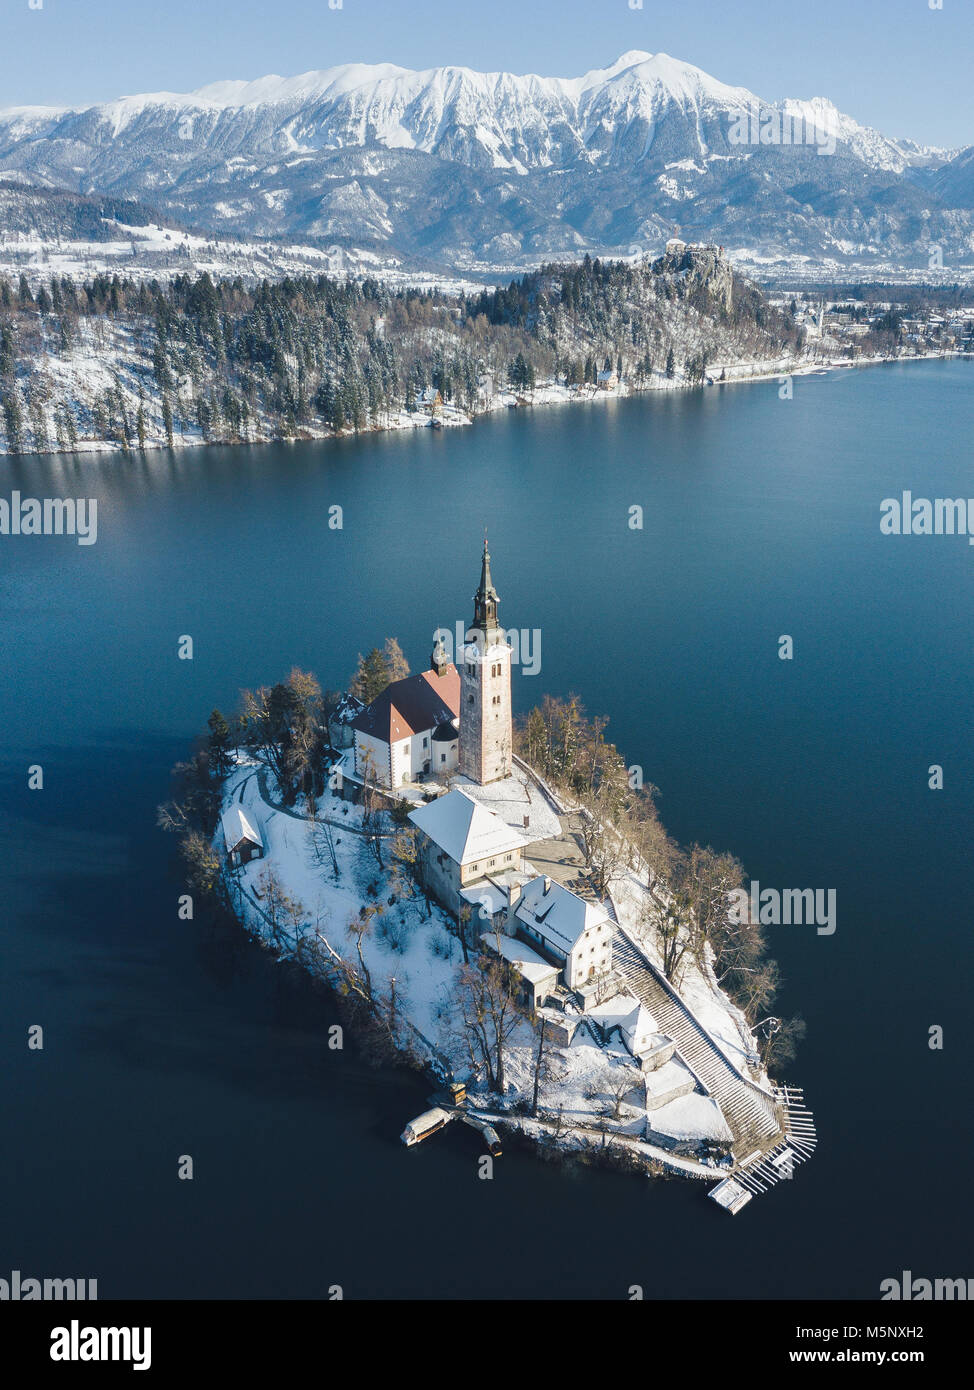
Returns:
point(499, 906)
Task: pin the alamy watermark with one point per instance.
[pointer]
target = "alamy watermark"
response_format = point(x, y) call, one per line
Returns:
point(924, 516)
point(77, 1343)
point(463, 644)
point(20, 1288)
point(50, 516)
point(772, 125)
point(810, 907)
point(907, 1289)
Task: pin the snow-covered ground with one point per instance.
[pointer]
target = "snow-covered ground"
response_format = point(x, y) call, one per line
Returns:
point(152, 252)
point(424, 956)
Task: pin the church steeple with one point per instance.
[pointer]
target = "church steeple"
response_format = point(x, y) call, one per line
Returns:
point(485, 689)
point(486, 598)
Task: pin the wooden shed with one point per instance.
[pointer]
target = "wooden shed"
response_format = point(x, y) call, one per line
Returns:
point(241, 837)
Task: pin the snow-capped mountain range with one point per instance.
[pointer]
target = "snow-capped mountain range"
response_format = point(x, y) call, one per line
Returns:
point(459, 167)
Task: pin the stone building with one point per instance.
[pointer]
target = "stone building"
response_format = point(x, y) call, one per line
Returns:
point(462, 843)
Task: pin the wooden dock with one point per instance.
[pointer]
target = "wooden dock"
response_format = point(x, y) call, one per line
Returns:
point(762, 1170)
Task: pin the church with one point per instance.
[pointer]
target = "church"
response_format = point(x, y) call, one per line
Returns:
point(443, 739)
point(441, 721)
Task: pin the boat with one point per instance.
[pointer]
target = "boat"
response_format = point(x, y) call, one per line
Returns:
point(493, 1140)
point(424, 1125)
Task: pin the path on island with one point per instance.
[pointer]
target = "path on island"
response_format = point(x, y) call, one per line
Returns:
point(281, 809)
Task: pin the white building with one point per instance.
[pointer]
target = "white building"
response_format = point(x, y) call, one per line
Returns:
point(410, 730)
point(565, 926)
point(461, 842)
point(537, 977)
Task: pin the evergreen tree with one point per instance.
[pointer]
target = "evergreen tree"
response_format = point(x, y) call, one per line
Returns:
point(371, 676)
point(219, 742)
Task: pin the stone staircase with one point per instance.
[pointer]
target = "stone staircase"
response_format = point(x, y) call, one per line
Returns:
point(755, 1117)
point(797, 1146)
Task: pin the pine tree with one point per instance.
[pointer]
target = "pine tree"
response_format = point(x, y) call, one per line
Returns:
point(167, 420)
point(371, 676)
point(13, 420)
point(219, 742)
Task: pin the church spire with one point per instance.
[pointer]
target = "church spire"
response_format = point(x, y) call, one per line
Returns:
point(485, 689)
point(486, 598)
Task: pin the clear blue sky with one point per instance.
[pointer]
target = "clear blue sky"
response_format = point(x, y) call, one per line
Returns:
point(894, 64)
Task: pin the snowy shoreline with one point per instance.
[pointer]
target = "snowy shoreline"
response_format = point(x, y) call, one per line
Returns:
point(450, 417)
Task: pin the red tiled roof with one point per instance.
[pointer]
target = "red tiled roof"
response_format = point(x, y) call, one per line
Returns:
point(411, 706)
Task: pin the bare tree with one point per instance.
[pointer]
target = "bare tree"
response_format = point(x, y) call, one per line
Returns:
point(396, 663)
point(670, 925)
point(359, 928)
point(322, 839)
point(404, 877)
point(281, 911)
point(621, 1082)
point(488, 1005)
point(538, 1064)
point(604, 849)
point(707, 879)
point(371, 808)
point(780, 1038)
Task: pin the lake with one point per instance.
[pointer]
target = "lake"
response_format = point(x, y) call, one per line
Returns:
point(163, 1037)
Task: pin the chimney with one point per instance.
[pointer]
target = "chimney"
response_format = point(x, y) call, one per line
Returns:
point(527, 821)
point(547, 885)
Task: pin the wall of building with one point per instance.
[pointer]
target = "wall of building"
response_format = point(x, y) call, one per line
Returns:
point(446, 758)
point(439, 874)
point(485, 712)
point(367, 745)
point(494, 864)
point(590, 956)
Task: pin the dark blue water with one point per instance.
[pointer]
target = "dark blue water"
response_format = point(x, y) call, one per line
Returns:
point(164, 1038)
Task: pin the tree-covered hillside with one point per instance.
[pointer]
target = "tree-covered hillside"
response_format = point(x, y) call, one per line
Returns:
point(194, 360)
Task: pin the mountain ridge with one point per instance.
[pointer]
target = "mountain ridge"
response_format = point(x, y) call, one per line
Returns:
point(620, 157)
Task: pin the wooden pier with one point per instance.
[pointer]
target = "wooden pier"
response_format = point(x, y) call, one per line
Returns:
point(762, 1170)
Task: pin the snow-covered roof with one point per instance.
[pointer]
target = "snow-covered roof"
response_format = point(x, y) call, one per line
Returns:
point(347, 709)
point(525, 961)
point(637, 1025)
point(465, 830)
point(489, 895)
point(237, 827)
point(557, 914)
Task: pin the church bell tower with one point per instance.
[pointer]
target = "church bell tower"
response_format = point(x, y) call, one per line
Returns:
point(485, 689)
